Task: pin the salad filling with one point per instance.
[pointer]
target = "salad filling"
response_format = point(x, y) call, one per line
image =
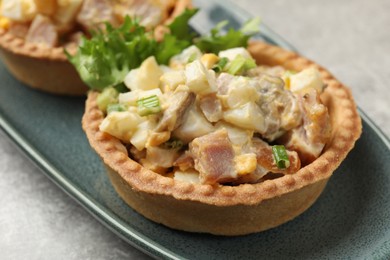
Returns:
point(186, 118)
point(199, 109)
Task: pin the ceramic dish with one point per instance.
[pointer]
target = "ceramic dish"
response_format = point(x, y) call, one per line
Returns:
point(359, 214)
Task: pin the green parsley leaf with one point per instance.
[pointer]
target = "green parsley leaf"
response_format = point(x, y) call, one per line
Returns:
point(180, 27)
point(216, 42)
point(105, 59)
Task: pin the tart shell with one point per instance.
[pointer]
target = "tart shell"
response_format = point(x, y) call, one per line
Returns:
point(231, 210)
point(47, 69)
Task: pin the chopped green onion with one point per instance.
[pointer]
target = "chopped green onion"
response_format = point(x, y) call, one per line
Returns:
point(173, 144)
point(149, 105)
point(220, 65)
point(251, 26)
point(241, 64)
point(116, 107)
point(280, 156)
point(107, 97)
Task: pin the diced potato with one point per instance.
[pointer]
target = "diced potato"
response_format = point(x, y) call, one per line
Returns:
point(190, 175)
point(173, 78)
point(248, 116)
point(122, 125)
point(146, 77)
point(209, 59)
point(188, 55)
point(141, 135)
point(306, 80)
point(231, 54)
point(237, 135)
point(19, 10)
point(194, 125)
point(200, 80)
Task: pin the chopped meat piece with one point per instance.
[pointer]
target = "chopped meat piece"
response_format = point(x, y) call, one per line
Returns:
point(310, 138)
point(214, 157)
point(173, 115)
point(95, 12)
point(211, 107)
point(266, 160)
point(279, 105)
point(42, 31)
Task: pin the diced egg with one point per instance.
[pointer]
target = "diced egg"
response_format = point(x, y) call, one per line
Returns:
point(122, 125)
point(46, 7)
point(4, 23)
point(19, 10)
point(209, 59)
point(200, 80)
point(248, 116)
point(131, 98)
point(146, 77)
point(194, 125)
point(237, 135)
point(189, 54)
point(141, 135)
point(173, 79)
point(67, 11)
point(306, 80)
point(190, 175)
point(240, 92)
point(245, 163)
point(231, 54)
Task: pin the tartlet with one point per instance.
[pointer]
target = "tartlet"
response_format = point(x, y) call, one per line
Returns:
point(48, 69)
point(231, 210)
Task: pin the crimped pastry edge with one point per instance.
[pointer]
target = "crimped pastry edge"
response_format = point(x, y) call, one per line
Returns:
point(346, 129)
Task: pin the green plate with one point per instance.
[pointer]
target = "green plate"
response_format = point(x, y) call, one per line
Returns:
point(350, 220)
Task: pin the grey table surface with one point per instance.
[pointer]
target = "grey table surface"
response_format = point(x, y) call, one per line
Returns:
point(351, 38)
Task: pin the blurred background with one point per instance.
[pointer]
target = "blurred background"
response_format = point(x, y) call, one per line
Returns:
point(351, 38)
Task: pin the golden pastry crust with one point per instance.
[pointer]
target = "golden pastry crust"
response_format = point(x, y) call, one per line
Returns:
point(47, 69)
point(39, 67)
point(231, 210)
